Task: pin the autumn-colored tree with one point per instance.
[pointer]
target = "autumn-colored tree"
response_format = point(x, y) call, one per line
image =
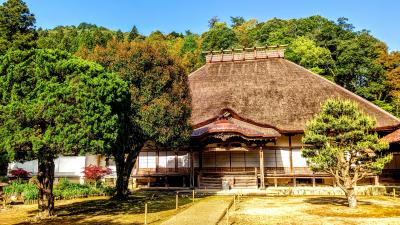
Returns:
point(94, 173)
point(391, 64)
point(19, 173)
point(160, 101)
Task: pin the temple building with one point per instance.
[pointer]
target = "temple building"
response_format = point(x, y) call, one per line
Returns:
point(249, 110)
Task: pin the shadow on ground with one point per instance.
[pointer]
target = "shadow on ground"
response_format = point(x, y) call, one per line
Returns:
point(336, 201)
point(103, 211)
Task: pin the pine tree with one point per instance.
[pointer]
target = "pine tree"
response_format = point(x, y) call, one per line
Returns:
point(17, 28)
point(340, 141)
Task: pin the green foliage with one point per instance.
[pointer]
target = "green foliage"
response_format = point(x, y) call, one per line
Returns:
point(3, 163)
point(65, 189)
point(25, 190)
point(17, 30)
point(305, 52)
point(4, 179)
point(30, 192)
point(160, 105)
point(340, 141)
point(160, 100)
point(52, 103)
point(133, 34)
point(272, 32)
point(71, 38)
point(237, 21)
point(220, 36)
point(354, 60)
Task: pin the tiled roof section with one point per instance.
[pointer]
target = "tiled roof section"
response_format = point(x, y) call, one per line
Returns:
point(393, 137)
point(273, 91)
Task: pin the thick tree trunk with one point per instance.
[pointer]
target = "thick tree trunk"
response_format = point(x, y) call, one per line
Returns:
point(351, 197)
point(46, 179)
point(124, 165)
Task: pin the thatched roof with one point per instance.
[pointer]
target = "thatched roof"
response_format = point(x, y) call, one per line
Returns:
point(393, 137)
point(271, 92)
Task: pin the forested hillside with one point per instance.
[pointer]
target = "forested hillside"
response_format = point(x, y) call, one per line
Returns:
point(354, 59)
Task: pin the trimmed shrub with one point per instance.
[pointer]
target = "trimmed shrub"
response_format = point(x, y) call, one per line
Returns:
point(65, 189)
point(4, 179)
point(25, 190)
point(19, 173)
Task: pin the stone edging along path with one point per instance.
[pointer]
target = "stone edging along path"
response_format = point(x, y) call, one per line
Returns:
point(205, 212)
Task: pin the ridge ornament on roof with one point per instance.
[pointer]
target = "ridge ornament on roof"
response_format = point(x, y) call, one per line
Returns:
point(245, 54)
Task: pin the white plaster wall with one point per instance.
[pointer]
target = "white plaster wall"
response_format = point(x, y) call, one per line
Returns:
point(64, 166)
point(298, 160)
point(282, 158)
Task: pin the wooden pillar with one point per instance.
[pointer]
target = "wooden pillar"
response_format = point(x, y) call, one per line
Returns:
point(376, 180)
point(200, 167)
point(98, 157)
point(230, 161)
point(137, 165)
point(191, 169)
point(262, 177)
point(199, 180)
point(215, 161)
point(200, 159)
point(244, 158)
point(166, 181)
point(313, 181)
point(290, 154)
point(294, 181)
point(157, 160)
point(176, 161)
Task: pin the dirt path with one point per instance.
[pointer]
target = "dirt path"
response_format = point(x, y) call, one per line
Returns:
point(206, 212)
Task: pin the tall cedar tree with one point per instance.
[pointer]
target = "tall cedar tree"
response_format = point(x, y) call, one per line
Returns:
point(133, 34)
point(54, 104)
point(340, 141)
point(160, 101)
point(17, 28)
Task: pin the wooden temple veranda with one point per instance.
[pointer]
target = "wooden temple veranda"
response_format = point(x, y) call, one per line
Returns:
point(249, 109)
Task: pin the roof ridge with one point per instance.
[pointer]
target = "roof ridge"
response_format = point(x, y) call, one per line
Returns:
point(245, 54)
point(348, 92)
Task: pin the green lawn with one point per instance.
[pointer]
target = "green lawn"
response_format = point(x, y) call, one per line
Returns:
point(101, 210)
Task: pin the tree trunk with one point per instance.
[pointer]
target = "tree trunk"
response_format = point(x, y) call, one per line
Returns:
point(351, 197)
point(46, 179)
point(124, 165)
point(122, 189)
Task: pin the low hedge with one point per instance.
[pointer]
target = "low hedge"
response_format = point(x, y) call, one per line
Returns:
point(65, 189)
point(25, 190)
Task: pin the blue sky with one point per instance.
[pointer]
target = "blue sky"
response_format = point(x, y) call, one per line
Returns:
point(380, 17)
